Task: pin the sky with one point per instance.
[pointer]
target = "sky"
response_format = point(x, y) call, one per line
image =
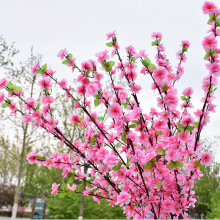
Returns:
point(81, 27)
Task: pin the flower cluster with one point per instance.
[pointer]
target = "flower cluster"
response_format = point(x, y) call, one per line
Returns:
point(144, 162)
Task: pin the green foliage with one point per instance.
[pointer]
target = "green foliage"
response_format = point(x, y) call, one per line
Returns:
point(117, 167)
point(214, 206)
point(68, 208)
point(124, 137)
point(165, 88)
point(96, 101)
point(174, 164)
point(108, 65)
point(207, 192)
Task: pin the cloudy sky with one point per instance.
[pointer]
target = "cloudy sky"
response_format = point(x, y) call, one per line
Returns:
point(80, 26)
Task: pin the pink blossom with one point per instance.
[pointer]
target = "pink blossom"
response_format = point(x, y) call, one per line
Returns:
point(87, 65)
point(188, 91)
point(214, 69)
point(160, 74)
point(183, 135)
point(209, 43)
point(115, 111)
point(87, 191)
point(139, 155)
point(54, 189)
point(187, 120)
point(62, 83)
point(45, 84)
point(111, 34)
point(161, 48)
point(32, 157)
point(209, 8)
point(206, 158)
point(123, 198)
point(92, 89)
point(136, 88)
point(62, 53)
point(159, 124)
point(136, 113)
point(2, 95)
point(73, 187)
point(3, 82)
point(30, 104)
point(13, 107)
point(102, 153)
point(75, 118)
point(172, 154)
point(111, 160)
point(27, 118)
point(156, 35)
point(185, 43)
point(102, 56)
point(34, 69)
point(130, 49)
point(71, 62)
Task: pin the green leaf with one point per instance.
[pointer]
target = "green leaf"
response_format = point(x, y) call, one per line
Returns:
point(185, 48)
point(211, 18)
point(178, 164)
point(65, 62)
point(146, 62)
point(100, 118)
point(128, 160)
point(10, 85)
point(124, 137)
point(71, 179)
point(190, 128)
point(109, 44)
point(214, 51)
point(92, 140)
point(39, 71)
point(40, 157)
point(136, 122)
point(38, 106)
point(160, 150)
point(174, 164)
point(62, 195)
point(154, 43)
point(218, 22)
point(96, 101)
point(152, 66)
point(171, 165)
point(44, 67)
point(165, 88)
point(180, 127)
point(5, 105)
point(158, 133)
point(198, 164)
point(149, 165)
point(108, 65)
point(159, 184)
point(70, 55)
point(17, 89)
point(208, 54)
point(64, 187)
point(184, 98)
point(196, 123)
point(132, 126)
point(117, 167)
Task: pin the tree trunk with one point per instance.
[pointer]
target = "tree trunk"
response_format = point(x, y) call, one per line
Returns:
point(82, 197)
point(15, 205)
